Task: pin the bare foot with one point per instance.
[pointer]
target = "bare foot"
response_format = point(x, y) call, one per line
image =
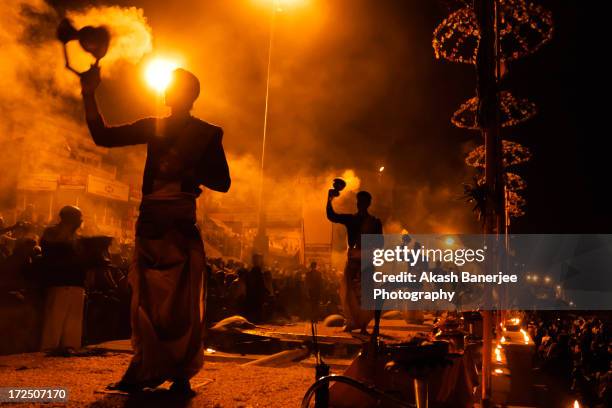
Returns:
point(182, 386)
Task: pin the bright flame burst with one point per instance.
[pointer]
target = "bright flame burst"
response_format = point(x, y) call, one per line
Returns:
point(352, 181)
point(281, 5)
point(158, 73)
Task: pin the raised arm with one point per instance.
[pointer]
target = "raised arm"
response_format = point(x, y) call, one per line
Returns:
point(213, 171)
point(332, 215)
point(106, 136)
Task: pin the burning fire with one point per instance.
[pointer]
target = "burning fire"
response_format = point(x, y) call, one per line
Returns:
point(158, 73)
point(498, 356)
point(576, 404)
point(525, 336)
point(352, 181)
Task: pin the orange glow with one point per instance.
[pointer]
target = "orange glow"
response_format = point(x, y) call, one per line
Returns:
point(498, 356)
point(281, 5)
point(576, 404)
point(352, 181)
point(525, 336)
point(158, 73)
point(382, 168)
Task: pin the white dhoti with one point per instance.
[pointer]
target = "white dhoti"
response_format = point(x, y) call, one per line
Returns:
point(63, 322)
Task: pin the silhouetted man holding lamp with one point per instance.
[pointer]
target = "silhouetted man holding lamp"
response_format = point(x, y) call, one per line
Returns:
point(356, 224)
point(167, 274)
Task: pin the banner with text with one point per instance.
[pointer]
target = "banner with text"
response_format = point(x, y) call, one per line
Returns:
point(475, 272)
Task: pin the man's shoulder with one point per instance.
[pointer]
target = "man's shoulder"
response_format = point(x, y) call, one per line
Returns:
point(50, 233)
point(146, 122)
point(208, 127)
point(52, 229)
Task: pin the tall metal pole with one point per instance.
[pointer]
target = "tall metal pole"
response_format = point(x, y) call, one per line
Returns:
point(487, 65)
point(261, 239)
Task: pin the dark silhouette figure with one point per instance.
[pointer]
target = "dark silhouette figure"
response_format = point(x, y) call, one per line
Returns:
point(356, 224)
point(166, 277)
point(314, 285)
point(64, 278)
point(255, 290)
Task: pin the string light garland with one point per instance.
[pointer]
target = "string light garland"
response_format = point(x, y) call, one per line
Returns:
point(513, 111)
point(476, 193)
point(524, 28)
point(513, 154)
point(515, 204)
point(512, 181)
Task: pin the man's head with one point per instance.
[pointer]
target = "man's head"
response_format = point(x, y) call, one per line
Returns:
point(364, 199)
point(257, 260)
point(71, 217)
point(183, 90)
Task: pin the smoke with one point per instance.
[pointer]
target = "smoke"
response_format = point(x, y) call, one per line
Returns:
point(42, 120)
point(131, 36)
point(356, 88)
point(288, 198)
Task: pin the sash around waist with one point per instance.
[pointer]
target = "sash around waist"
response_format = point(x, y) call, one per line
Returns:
point(160, 213)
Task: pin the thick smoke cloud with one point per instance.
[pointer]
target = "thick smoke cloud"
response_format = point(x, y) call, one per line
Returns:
point(356, 87)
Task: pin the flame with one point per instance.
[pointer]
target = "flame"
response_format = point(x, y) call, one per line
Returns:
point(576, 404)
point(381, 169)
point(352, 181)
point(525, 336)
point(282, 5)
point(158, 73)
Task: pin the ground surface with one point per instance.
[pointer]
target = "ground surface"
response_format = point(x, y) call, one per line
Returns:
point(232, 385)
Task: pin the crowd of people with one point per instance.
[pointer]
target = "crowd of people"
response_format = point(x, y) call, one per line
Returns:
point(36, 270)
point(272, 293)
point(577, 352)
point(33, 266)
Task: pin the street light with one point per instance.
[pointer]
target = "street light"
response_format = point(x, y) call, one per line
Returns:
point(260, 243)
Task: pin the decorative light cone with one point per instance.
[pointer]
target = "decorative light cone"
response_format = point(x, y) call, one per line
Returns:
point(524, 28)
point(513, 154)
point(513, 111)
